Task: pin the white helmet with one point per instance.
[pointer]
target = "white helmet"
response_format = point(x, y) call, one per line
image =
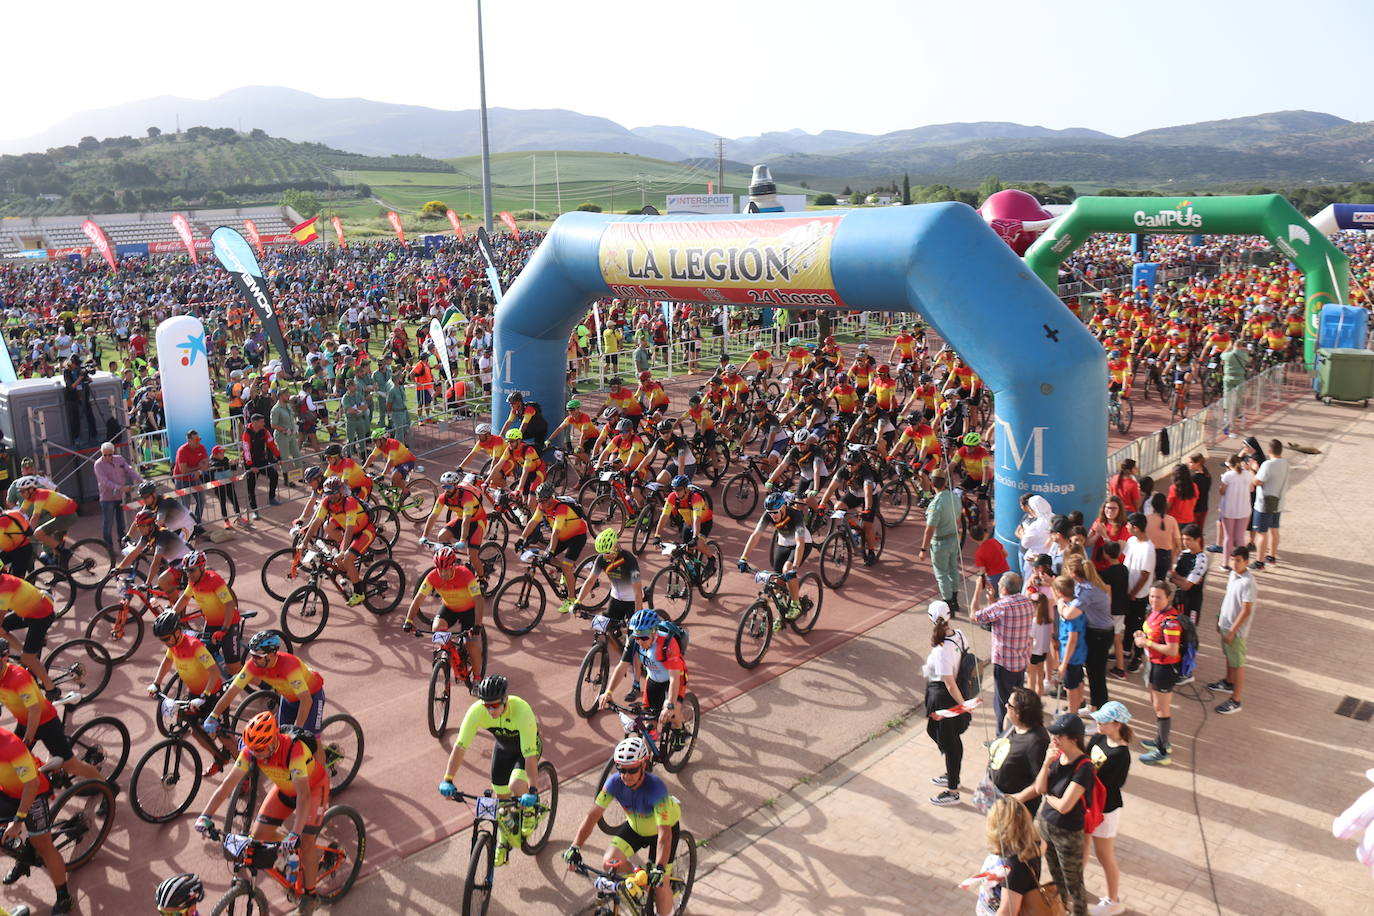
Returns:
point(801, 436)
point(483, 429)
point(630, 751)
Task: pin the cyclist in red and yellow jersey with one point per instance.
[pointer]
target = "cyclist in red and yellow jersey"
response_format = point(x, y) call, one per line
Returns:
point(760, 361)
point(701, 419)
point(623, 400)
point(1216, 343)
point(37, 718)
point(24, 798)
point(16, 549)
point(300, 793)
point(300, 687)
point(526, 462)
point(969, 384)
point(861, 370)
point(903, 346)
point(845, 396)
point(736, 384)
point(460, 593)
point(976, 462)
point(626, 446)
point(488, 444)
point(464, 517)
point(218, 605)
point(569, 529)
point(884, 388)
point(1295, 325)
point(400, 460)
point(918, 437)
point(689, 511)
point(353, 474)
point(582, 429)
point(923, 397)
point(50, 513)
point(29, 609)
point(797, 357)
point(651, 394)
point(1118, 373)
point(1276, 339)
point(349, 527)
point(197, 669)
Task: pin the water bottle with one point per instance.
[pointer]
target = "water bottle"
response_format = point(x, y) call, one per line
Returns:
point(289, 872)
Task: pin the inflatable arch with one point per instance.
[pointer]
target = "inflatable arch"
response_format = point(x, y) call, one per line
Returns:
point(1344, 216)
point(942, 261)
point(1325, 266)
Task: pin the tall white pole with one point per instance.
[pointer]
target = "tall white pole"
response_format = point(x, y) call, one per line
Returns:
point(557, 190)
point(534, 185)
point(482, 118)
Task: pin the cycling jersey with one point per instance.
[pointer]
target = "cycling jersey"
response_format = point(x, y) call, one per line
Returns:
point(628, 447)
point(14, 530)
point(856, 484)
point(195, 665)
point(19, 693)
point(906, 346)
point(623, 399)
point(735, 384)
point(581, 422)
point(653, 393)
point(352, 473)
point(885, 390)
point(23, 599)
point(290, 759)
point(922, 436)
point(173, 516)
point(1119, 371)
point(394, 451)
point(701, 417)
point(347, 514)
point(1276, 339)
point(565, 520)
point(809, 461)
point(462, 501)
point(661, 658)
point(790, 529)
point(516, 729)
point(490, 444)
point(18, 767)
point(846, 398)
point(50, 501)
point(526, 457)
point(977, 461)
point(166, 544)
point(622, 571)
point(292, 678)
point(212, 595)
point(647, 807)
point(692, 509)
point(459, 592)
point(761, 360)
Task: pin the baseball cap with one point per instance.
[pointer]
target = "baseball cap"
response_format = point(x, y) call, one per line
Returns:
point(1112, 711)
point(938, 474)
point(1067, 723)
point(939, 610)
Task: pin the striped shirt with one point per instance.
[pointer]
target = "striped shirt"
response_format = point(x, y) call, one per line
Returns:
point(1013, 621)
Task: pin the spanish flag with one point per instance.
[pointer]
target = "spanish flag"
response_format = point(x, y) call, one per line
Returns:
point(306, 233)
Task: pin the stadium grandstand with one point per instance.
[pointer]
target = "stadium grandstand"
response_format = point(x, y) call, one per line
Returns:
point(137, 233)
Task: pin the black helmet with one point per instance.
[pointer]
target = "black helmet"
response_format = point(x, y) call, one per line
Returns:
point(694, 399)
point(314, 473)
point(264, 642)
point(333, 450)
point(624, 426)
point(808, 391)
point(870, 400)
point(492, 689)
point(147, 488)
point(166, 624)
point(665, 425)
point(514, 396)
point(179, 892)
point(925, 378)
point(546, 490)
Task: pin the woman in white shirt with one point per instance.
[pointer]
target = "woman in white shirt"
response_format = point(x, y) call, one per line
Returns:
point(1234, 510)
point(1034, 531)
point(942, 692)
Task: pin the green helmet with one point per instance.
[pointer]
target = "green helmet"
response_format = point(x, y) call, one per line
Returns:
point(607, 540)
point(378, 433)
point(574, 404)
point(794, 342)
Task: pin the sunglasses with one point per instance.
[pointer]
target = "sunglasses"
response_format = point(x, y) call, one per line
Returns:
point(492, 706)
point(629, 770)
point(648, 638)
point(174, 911)
point(262, 655)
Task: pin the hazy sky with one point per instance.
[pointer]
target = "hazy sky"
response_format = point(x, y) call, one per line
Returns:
point(733, 67)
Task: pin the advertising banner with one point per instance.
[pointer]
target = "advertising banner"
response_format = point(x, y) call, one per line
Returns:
point(185, 366)
point(338, 230)
point(436, 339)
point(783, 261)
point(510, 222)
point(701, 203)
point(137, 249)
point(98, 239)
point(484, 246)
point(395, 220)
point(7, 373)
point(236, 256)
point(250, 229)
point(188, 238)
point(457, 226)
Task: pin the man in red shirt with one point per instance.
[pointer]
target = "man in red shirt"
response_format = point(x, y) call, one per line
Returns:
point(138, 344)
point(192, 460)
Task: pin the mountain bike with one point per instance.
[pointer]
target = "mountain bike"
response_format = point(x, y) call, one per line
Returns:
point(306, 610)
point(57, 584)
point(81, 666)
point(413, 507)
point(1120, 412)
point(845, 539)
point(670, 590)
point(110, 586)
point(771, 607)
point(493, 558)
point(449, 663)
point(741, 494)
point(496, 830)
point(518, 606)
point(672, 749)
point(1178, 403)
point(972, 522)
point(81, 814)
point(594, 672)
point(614, 890)
point(280, 570)
point(342, 845)
point(87, 561)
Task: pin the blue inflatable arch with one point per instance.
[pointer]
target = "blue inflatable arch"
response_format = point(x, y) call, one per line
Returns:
point(941, 261)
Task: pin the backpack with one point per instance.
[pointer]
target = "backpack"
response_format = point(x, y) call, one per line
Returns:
point(295, 733)
point(1094, 800)
point(672, 630)
point(1187, 646)
point(966, 675)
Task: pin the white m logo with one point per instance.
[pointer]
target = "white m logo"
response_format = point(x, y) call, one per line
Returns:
point(1006, 448)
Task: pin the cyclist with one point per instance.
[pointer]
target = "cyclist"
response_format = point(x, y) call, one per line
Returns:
point(797, 357)
point(621, 570)
point(650, 393)
point(218, 605)
point(689, 510)
point(488, 443)
point(464, 517)
point(652, 821)
point(845, 397)
point(179, 894)
point(1118, 374)
point(167, 546)
point(399, 460)
point(655, 658)
point(852, 487)
point(862, 369)
point(300, 688)
point(37, 718)
point(919, 436)
point(461, 595)
point(300, 792)
point(197, 670)
point(348, 470)
point(581, 428)
point(790, 548)
point(810, 463)
point(314, 484)
point(25, 794)
point(526, 459)
point(760, 361)
point(50, 513)
point(512, 723)
point(569, 529)
point(903, 346)
point(701, 419)
point(872, 426)
point(16, 545)
point(673, 447)
point(976, 463)
point(27, 608)
point(533, 426)
point(349, 527)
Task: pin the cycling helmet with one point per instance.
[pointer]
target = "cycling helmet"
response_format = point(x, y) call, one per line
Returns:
point(794, 342)
point(854, 456)
point(492, 689)
point(694, 400)
point(972, 439)
point(631, 751)
point(147, 488)
point(180, 892)
point(925, 378)
point(445, 558)
point(574, 404)
point(884, 367)
point(681, 480)
point(334, 450)
point(145, 517)
point(774, 502)
point(514, 435)
point(1115, 354)
point(514, 396)
point(378, 434)
point(334, 486)
point(732, 368)
point(830, 341)
point(217, 452)
point(264, 642)
point(167, 623)
point(870, 400)
point(624, 426)
point(193, 560)
point(616, 382)
point(644, 621)
point(28, 483)
point(607, 540)
point(546, 491)
point(449, 479)
point(646, 375)
point(469, 479)
point(800, 436)
point(808, 391)
point(314, 473)
point(665, 425)
point(482, 429)
point(262, 732)
point(863, 348)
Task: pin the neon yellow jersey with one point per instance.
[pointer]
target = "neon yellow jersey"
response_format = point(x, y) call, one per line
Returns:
point(516, 729)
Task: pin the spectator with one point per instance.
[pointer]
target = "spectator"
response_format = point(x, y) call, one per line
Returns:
point(1124, 487)
point(1233, 509)
point(990, 559)
point(1073, 645)
point(1139, 559)
point(1190, 569)
point(1235, 362)
point(1013, 846)
point(284, 419)
point(1147, 489)
point(1164, 534)
point(1237, 612)
point(76, 393)
point(115, 479)
point(1110, 752)
point(1202, 480)
point(1034, 530)
point(1092, 599)
point(1014, 758)
point(1065, 774)
point(188, 469)
point(1160, 637)
point(1183, 496)
point(1118, 581)
point(7, 475)
point(1271, 486)
point(222, 470)
point(1012, 618)
point(260, 456)
point(1110, 525)
point(357, 416)
point(942, 692)
point(1042, 641)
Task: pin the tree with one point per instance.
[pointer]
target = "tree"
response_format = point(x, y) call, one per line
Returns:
point(258, 133)
point(154, 133)
point(590, 207)
point(990, 186)
point(79, 202)
point(434, 209)
point(305, 203)
point(364, 190)
point(88, 143)
point(846, 192)
point(825, 200)
point(906, 188)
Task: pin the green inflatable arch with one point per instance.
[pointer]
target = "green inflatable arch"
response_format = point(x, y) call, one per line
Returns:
point(1325, 266)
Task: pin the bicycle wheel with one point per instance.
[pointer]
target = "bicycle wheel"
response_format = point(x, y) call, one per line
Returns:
point(107, 589)
point(388, 525)
point(169, 723)
point(119, 628)
point(481, 872)
point(712, 571)
point(811, 593)
point(103, 743)
point(343, 845)
point(740, 496)
point(498, 531)
point(894, 502)
point(754, 633)
point(493, 566)
point(415, 507)
point(58, 585)
point(606, 512)
point(642, 531)
point(89, 562)
point(440, 694)
point(243, 806)
point(591, 679)
point(304, 613)
point(682, 741)
point(274, 570)
point(222, 563)
point(83, 665)
point(519, 605)
point(341, 744)
point(242, 900)
point(1124, 418)
point(599, 593)
point(384, 584)
point(684, 871)
point(165, 781)
point(670, 591)
point(613, 818)
point(880, 529)
point(81, 820)
point(546, 784)
point(715, 462)
point(836, 557)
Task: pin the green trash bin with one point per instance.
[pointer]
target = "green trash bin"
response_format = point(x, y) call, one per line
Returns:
point(1345, 375)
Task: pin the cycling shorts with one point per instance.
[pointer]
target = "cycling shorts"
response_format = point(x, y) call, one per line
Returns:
point(39, 820)
point(363, 540)
point(630, 841)
point(286, 712)
point(405, 468)
point(280, 806)
point(54, 524)
point(477, 531)
point(507, 766)
point(35, 630)
point(571, 548)
point(464, 620)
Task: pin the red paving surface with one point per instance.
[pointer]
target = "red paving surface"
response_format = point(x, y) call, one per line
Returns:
point(379, 675)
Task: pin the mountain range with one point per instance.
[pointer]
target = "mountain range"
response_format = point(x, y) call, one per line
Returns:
point(1287, 145)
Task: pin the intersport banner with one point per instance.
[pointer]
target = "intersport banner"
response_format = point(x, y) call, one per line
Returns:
point(783, 261)
point(188, 238)
point(338, 230)
point(98, 239)
point(236, 256)
point(440, 344)
point(457, 226)
point(484, 245)
point(510, 222)
point(251, 228)
point(395, 220)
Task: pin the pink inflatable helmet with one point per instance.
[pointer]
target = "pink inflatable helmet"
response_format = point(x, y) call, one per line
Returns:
point(1007, 211)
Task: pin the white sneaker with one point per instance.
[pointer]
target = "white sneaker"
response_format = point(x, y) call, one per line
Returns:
point(1108, 907)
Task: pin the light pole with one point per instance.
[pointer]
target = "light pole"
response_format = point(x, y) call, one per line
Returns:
point(482, 120)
